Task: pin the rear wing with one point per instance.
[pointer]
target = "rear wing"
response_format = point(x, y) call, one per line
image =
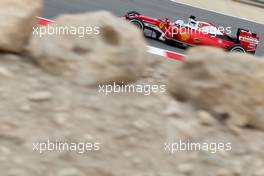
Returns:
point(248, 40)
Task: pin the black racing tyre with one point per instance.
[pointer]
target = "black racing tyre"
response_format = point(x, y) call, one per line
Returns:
point(133, 13)
point(237, 48)
point(138, 23)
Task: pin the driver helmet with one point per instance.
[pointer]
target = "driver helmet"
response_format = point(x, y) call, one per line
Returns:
point(192, 21)
point(179, 23)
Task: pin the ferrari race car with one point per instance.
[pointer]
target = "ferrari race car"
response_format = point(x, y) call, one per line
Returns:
point(195, 33)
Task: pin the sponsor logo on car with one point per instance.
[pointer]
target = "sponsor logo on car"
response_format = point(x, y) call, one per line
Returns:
point(200, 25)
point(161, 25)
point(184, 37)
point(250, 40)
point(196, 41)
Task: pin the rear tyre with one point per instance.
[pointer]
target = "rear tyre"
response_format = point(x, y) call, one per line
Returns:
point(237, 49)
point(139, 24)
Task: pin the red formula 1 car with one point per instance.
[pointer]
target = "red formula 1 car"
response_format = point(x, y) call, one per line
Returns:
point(195, 33)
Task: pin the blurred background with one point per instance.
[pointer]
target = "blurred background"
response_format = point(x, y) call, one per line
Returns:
point(49, 91)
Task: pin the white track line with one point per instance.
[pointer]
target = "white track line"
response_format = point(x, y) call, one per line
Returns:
point(156, 51)
point(45, 19)
point(165, 53)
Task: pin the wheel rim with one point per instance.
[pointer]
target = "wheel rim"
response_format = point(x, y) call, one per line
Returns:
point(137, 25)
point(238, 50)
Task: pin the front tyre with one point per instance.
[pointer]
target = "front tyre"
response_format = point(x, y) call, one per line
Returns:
point(139, 24)
point(237, 49)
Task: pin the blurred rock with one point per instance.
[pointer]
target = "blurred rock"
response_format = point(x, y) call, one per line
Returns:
point(17, 20)
point(206, 118)
point(5, 73)
point(226, 84)
point(131, 128)
point(117, 53)
point(174, 109)
point(40, 96)
point(36, 106)
point(224, 172)
point(259, 172)
point(25, 108)
point(70, 172)
point(186, 169)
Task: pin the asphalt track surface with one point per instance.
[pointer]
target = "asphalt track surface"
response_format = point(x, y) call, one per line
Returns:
point(153, 8)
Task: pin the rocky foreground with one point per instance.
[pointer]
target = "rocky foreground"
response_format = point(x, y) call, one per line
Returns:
point(49, 90)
